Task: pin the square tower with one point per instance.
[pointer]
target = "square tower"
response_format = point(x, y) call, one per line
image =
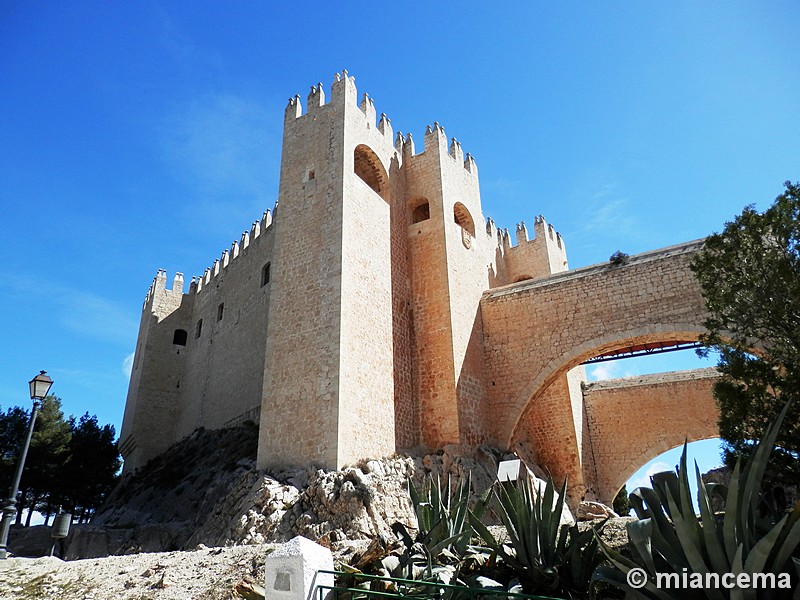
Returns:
point(328, 381)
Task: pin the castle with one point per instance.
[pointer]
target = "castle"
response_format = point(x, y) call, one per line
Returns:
point(369, 313)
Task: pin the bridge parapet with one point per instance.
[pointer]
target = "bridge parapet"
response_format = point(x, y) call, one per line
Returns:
point(599, 268)
point(535, 331)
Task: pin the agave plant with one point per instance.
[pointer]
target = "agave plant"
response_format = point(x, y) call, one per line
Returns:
point(669, 538)
point(442, 518)
point(443, 531)
point(545, 556)
point(438, 549)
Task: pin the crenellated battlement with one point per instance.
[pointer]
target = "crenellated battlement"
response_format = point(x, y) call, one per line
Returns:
point(367, 106)
point(294, 109)
point(227, 257)
point(532, 258)
point(159, 289)
point(522, 233)
point(542, 228)
point(435, 139)
point(343, 94)
point(500, 238)
point(316, 98)
point(435, 142)
point(385, 126)
point(257, 229)
point(528, 258)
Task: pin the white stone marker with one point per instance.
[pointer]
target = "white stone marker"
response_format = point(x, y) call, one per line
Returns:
point(292, 571)
point(510, 470)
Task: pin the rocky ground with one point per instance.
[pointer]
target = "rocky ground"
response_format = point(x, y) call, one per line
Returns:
point(198, 521)
point(204, 573)
point(207, 573)
point(206, 490)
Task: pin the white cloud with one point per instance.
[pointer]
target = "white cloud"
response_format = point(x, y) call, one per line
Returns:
point(223, 149)
point(643, 479)
point(608, 216)
point(609, 370)
point(127, 364)
point(221, 144)
point(97, 316)
point(182, 49)
point(607, 211)
point(602, 372)
point(82, 312)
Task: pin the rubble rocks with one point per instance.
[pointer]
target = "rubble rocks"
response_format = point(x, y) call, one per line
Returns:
point(206, 490)
point(589, 511)
point(221, 573)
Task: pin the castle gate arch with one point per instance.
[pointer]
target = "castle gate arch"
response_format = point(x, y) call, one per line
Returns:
point(537, 331)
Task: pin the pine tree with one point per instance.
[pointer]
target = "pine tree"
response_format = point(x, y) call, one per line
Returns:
point(750, 277)
point(46, 457)
point(92, 467)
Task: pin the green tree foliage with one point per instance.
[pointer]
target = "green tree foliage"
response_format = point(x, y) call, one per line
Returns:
point(13, 425)
point(71, 463)
point(621, 504)
point(90, 472)
point(750, 277)
point(46, 457)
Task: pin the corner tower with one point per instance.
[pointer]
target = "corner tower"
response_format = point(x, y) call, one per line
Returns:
point(328, 379)
point(154, 402)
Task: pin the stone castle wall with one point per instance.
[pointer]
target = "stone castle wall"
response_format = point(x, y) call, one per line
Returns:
point(223, 370)
point(394, 313)
point(214, 376)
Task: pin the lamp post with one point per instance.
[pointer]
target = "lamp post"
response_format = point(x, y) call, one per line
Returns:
point(40, 386)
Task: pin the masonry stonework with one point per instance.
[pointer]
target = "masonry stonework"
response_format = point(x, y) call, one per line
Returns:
point(376, 309)
point(629, 426)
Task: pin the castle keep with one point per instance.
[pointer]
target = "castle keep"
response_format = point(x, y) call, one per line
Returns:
point(377, 309)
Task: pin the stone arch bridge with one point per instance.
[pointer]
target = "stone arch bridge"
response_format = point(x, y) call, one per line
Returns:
point(538, 333)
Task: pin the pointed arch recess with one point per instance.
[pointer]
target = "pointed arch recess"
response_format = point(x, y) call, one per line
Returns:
point(369, 169)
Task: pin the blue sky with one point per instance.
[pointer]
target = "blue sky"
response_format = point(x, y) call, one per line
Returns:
point(138, 136)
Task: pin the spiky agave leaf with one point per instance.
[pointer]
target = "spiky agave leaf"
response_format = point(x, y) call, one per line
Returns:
point(712, 534)
point(671, 537)
point(548, 558)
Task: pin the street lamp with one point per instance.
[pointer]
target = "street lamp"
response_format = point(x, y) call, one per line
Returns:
point(40, 386)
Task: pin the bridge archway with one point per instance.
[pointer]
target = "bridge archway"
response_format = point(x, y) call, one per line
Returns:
point(667, 460)
point(593, 443)
point(540, 331)
point(558, 367)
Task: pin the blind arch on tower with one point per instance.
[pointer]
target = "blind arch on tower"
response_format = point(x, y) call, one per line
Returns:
point(463, 218)
point(369, 169)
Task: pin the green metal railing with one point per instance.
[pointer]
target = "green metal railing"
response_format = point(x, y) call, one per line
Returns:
point(393, 587)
